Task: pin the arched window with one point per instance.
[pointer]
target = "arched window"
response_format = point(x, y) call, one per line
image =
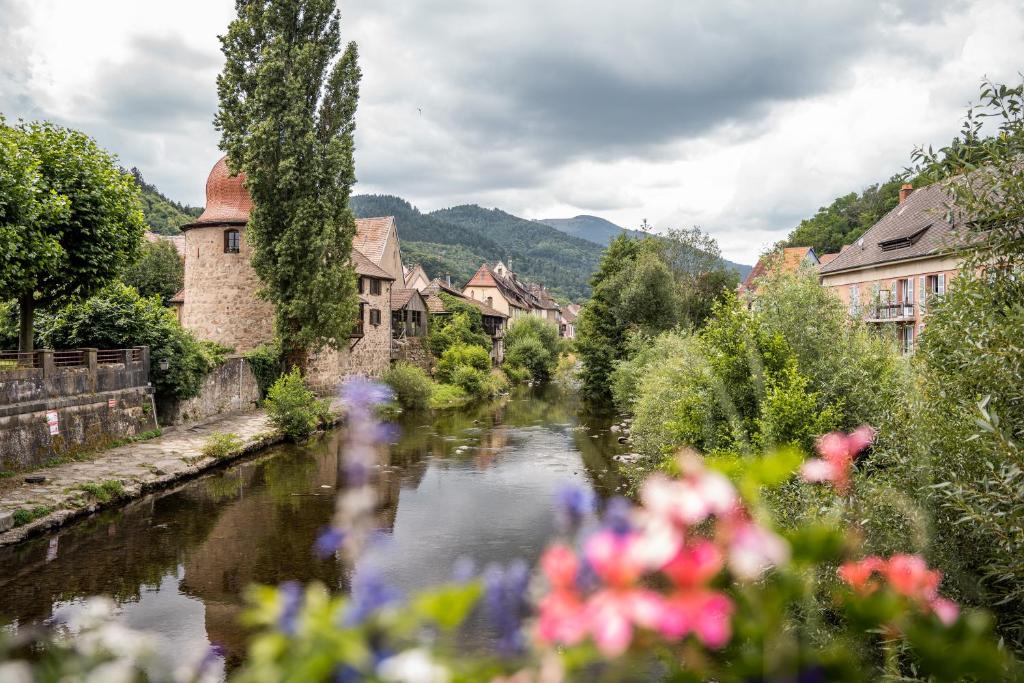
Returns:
point(232, 241)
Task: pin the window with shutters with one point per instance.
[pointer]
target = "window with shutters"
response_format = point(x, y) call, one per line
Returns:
point(854, 300)
point(232, 242)
point(907, 338)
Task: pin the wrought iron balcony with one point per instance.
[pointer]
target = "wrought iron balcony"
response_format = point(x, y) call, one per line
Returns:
point(883, 312)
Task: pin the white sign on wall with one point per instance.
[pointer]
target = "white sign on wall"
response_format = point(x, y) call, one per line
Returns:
point(53, 422)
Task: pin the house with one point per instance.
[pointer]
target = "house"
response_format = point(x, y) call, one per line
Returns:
point(219, 301)
point(177, 240)
point(408, 313)
point(416, 278)
point(498, 288)
point(789, 260)
point(494, 321)
point(910, 255)
point(569, 315)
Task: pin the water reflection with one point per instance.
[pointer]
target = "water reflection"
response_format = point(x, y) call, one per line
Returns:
point(476, 483)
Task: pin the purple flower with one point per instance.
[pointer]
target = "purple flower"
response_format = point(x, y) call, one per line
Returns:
point(573, 503)
point(369, 593)
point(616, 515)
point(360, 393)
point(290, 593)
point(505, 603)
point(328, 542)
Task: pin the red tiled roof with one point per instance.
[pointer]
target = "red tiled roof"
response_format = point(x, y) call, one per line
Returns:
point(828, 258)
point(434, 304)
point(400, 298)
point(789, 262)
point(437, 286)
point(178, 298)
point(227, 201)
point(365, 266)
point(372, 236)
point(483, 277)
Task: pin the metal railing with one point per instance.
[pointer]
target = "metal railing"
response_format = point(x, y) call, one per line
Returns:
point(49, 360)
point(892, 311)
point(10, 360)
point(70, 359)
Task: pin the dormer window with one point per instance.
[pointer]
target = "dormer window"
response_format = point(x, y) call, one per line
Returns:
point(232, 242)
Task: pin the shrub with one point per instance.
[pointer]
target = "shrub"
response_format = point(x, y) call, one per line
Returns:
point(516, 374)
point(412, 386)
point(222, 445)
point(24, 516)
point(159, 271)
point(460, 355)
point(266, 363)
point(118, 317)
point(472, 380)
point(105, 491)
point(293, 409)
point(462, 326)
point(792, 415)
point(533, 344)
point(447, 396)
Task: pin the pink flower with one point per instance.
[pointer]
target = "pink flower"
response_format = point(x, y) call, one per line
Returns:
point(705, 613)
point(616, 558)
point(612, 615)
point(909, 575)
point(560, 565)
point(754, 549)
point(838, 451)
point(562, 618)
point(690, 500)
point(946, 610)
point(858, 574)
point(694, 564)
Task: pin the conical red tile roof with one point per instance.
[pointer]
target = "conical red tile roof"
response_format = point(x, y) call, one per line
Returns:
point(227, 202)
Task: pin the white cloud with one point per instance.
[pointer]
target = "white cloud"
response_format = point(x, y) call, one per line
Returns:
point(741, 118)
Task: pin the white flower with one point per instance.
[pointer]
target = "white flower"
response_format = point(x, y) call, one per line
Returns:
point(16, 672)
point(413, 666)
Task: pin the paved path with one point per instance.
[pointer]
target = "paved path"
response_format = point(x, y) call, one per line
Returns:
point(140, 467)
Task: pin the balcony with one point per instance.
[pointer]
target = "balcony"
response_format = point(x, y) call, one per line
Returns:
point(891, 312)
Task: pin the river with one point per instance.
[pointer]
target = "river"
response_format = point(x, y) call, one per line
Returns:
point(476, 483)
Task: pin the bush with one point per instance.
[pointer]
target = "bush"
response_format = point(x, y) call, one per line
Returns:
point(412, 386)
point(266, 362)
point(222, 445)
point(105, 491)
point(118, 317)
point(464, 326)
point(792, 415)
point(516, 374)
point(460, 355)
point(293, 409)
point(533, 345)
point(472, 380)
point(159, 271)
point(447, 396)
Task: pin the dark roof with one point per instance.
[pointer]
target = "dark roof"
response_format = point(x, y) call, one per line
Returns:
point(921, 226)
point(400, 298)
point(365, 266)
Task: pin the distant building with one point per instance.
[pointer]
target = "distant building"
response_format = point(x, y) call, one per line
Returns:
point(569, 315)
point(219, 300)
point(789, 260)
point(896, 267)
point(494, 321)
point(416, 278)
point(499, 287)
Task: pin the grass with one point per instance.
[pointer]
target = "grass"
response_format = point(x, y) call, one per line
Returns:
point(105, 491)
point(221, 445)
point(23, 516)
point(446, 396)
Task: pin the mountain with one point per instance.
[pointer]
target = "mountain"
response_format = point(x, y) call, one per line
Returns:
point(591, 228)
point(601, 231)
point(456, 241)
point(163, 216)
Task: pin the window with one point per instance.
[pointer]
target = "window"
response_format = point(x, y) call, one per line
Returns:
point(362, 286)
point(907, 340)
point(374, 286)
point(232, 242)
point(417, 318)
point(374, 315)
point(854, 300)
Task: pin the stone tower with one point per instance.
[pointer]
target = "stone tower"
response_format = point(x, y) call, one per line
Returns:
point(220, 302)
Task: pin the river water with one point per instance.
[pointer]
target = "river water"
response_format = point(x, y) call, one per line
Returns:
point(476, 483)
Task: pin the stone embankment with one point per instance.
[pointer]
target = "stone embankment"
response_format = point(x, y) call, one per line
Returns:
point(29, 507)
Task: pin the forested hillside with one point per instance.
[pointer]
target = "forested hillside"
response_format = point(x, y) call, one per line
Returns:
point(847, 218)
point(163, 216)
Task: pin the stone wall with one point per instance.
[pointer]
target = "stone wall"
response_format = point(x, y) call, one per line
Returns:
point(49, 412)
point(220, 292)
point(415, 350)
point(230, 388)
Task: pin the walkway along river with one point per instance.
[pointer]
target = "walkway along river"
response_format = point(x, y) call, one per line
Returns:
point(476, 483)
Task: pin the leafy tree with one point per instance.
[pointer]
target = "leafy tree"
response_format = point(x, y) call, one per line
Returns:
point(157, 272)
point(71, 220)
point(287, 118)
point(117, 317)
point(460, 327)
point(163, 216)
point(534, 345)
point(702, 277)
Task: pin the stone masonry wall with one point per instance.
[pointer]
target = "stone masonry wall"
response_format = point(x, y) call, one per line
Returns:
point(415, 350)
point(220, 292)
point(230, 388)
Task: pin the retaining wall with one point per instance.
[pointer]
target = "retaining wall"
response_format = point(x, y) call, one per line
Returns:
point(231, 388)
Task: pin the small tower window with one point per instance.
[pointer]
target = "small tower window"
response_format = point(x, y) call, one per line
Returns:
point(232, 242)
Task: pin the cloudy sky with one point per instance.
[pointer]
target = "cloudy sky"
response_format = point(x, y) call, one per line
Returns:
point(739, 116)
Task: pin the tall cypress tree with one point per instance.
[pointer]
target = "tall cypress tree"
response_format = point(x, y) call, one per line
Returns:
point(287, 117)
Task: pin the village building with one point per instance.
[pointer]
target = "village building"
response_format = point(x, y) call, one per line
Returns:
point(408, 313)
point(494, 321)
point(788, 260)
point(416, 278)
point(569, 315)
point(219, 301)
point(500, 288)
point(889, 274)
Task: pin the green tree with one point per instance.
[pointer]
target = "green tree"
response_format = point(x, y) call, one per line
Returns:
point(287, 118)
point(533, 344)
point(70, 221)
point(847, 218)
point(157, 272)
point(702, 278)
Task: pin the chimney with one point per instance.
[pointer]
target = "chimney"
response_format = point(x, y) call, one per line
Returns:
point(448, 277)
point(905, 191)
